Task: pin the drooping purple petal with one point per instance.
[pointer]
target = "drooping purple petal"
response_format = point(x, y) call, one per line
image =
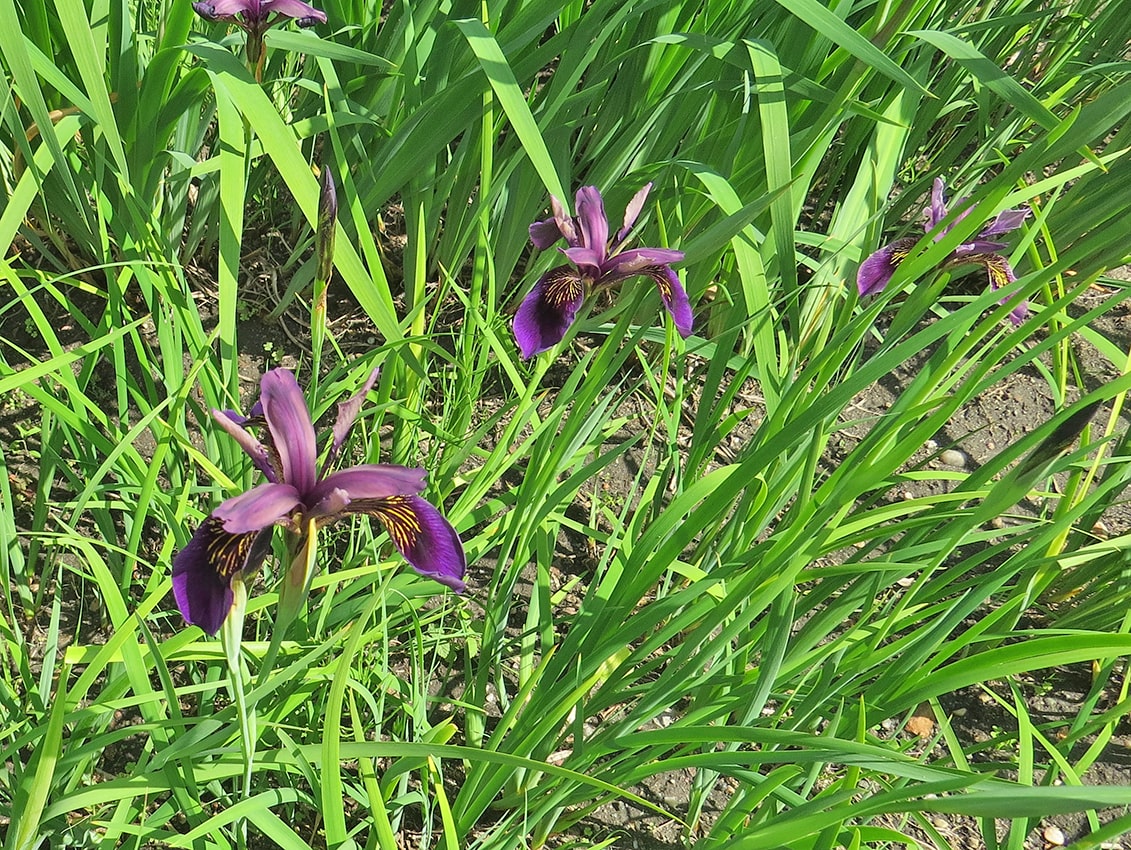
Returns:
point(214, 10)
point(258, 508)
point(589, 261)
point(427, 540)
point(304, 14)
point(368, 481)
point(1004, 222)
point(545, 233)
point(233, 423)
point(203, 570)
point(632, 212)
point(876, 271)
point(674, 297)
point(292, 432)
point(547, 312)
point(592, 220)
point(635, 260)
point(347, 414)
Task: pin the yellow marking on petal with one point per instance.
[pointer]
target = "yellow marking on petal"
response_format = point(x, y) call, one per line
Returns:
point(563, 288)
point(400, 520)
point(227, 552)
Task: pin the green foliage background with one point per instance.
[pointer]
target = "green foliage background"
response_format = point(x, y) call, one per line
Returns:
point(786, 142)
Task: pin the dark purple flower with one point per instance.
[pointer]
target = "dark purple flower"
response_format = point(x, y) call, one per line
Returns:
point(597, 261)
point(255, 17)
point(876, 271)
point(235, 539)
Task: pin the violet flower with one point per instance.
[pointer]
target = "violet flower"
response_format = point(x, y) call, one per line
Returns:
point(876, 271)
point(234, 541)
point(597, 261)
point(255, 17)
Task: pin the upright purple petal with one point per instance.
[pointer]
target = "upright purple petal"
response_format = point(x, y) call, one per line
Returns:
point(591, 218)
point(876, 271)
point(936, 212)
point(547, 312)
point(1004, 222)
point(368, 481)
point(347, 414)
point(632, 211)
point(292, 433)
point(233, 423)
point(427, 540)
point(203, 570)
point(674, 297)
point(258, 508)
point(591, 262)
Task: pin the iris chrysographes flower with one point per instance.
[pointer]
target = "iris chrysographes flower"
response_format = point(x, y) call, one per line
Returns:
point(255, 17)
point(233, 542)
point(596, 261)
point(983, 250)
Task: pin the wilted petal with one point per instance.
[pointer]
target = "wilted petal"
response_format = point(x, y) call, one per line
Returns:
point(1005, 221)
point(233, 423)
point(567, 227)
point(347, 414)
point(304, 14)
point(875, 272)
point(632, 211)
point(674, 297)
point(545, 233)
point(292, 433)
point(368, 481)
point(591, 218)
point(327, 224)
point(203, 570)
point(936, 212)
point(978, 246)
point(258, 508)
point(547, 312)
point(424, 537)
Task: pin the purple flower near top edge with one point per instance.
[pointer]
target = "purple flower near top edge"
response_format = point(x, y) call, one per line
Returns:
point(596, 261)
point(255, 17)
point(877, 270)
point(236, 538)
point(258, 16)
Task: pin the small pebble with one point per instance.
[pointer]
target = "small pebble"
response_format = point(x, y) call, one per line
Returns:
point(930, 445)
point(997, 522)
point(1101, 530)
point(1054, 835)
point(907, 495)
point(953, 457)
point(959, 712)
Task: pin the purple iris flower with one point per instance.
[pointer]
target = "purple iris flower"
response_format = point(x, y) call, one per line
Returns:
point(597, 261)
point(234, 541)
point(255, 17)
point(877, 270)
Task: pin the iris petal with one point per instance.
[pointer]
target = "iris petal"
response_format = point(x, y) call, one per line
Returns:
point(369, 481)
point(292, 432)
point(347, 414)
point(258, 508)
point(303, 13)
point(591, 218)
point(632, 212)
point(876, 271)
point(674, 297)
point(427, 540)
point(258, 453)
point(547, 312)
point(203, 570)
